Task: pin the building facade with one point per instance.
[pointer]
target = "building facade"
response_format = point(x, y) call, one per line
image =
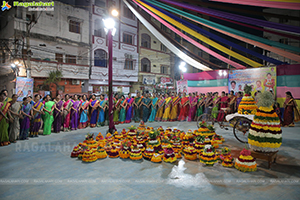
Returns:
point(125, 48)
point(54, 40)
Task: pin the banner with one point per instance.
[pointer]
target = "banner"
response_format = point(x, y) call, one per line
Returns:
point(260, 79)
point(166, 80)
point(182, 86)
point(149, 80)
point(24, 87)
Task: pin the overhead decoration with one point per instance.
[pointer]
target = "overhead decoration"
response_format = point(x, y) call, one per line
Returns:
point(288, 4)
point(235, 17)
point(218, 38)
point(200, 37)
point(224, 28)
point(166, 42)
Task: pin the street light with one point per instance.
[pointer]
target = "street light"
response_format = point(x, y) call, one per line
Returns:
point(110, 30)
point(182, 66)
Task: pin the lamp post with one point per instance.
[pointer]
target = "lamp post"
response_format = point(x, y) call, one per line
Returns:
point(110, 29)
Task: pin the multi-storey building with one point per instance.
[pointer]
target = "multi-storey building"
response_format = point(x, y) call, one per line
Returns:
point(54, 40)
point(125, 48)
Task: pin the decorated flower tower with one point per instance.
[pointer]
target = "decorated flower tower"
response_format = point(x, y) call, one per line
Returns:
point(131, 134)
point(89, 156)
point(226, 158)
point(101, 153)
point(76, 151)
point(177, 146)
point(190, 152)
point(265, 131)
point(140, 142)
point(135, 153)
point(125, 149)
point(208, 156)
point(247, 105)
point(148, 153)
point(245, 162)
point(100, 139)
point(154, 142)
point(199, 144)
point(156, 158)
point(204, 130)
point(169, 155)
point(114, 152)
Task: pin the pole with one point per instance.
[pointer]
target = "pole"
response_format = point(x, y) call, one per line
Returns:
point(28, 71)
point(111, 125)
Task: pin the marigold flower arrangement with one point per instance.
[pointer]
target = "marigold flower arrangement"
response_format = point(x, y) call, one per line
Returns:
point(101, 153)
point(245, 162)
point(169, 155)
point(156, 158)
point(265, 134)
point(135, 153)
point(247, 105)
point(208, 156)
point(190, 152)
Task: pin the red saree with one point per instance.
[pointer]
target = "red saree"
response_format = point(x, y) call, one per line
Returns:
point(184, 109)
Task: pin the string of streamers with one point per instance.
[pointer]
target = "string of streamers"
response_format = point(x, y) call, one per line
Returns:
point(218, 38)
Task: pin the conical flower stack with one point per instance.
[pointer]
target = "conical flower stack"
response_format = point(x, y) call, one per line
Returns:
point(247, 105)
point(204, 130)
point(169, 155)
point(156, 158)
point(208, 156)
point(265, 131)
point(89, 156)
point(190, 152)
point(101, 153)
point(135, 153)
point(245, 162)
point(227, 160)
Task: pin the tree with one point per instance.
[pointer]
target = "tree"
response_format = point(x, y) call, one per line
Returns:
point(54, 77)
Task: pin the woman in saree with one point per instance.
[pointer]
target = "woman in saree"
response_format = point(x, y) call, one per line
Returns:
point(160, 108)
point(174, 111)
point(146, 106)
point(137, 107)
point(66, 114)
point(94, 103)
point(75, 112)
point(4, 119)
point(291, 111)
point(117, 103)
point(48, 116)
point(26, 112)
point(14, 126)
point(38, 110)
point(184, 103)
point(193, 107)
point(216, 100)
point(238, 100)
point(200, 105)
point(154, 108)
point(168, 106)
point(232, 102)
point(83, 122)
point(123, 110)
point(129, 108)
point(208, 103)
point(223, 105)
point(102, 108)
point(57, 114)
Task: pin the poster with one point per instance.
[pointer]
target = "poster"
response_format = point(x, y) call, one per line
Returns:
point(149, 80)
point(24, 87)
point(166, 80)
point(182, 86)
point(260, 79)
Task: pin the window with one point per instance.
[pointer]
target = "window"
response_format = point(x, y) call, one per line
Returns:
point(146, 41)
point(74, 26)
point(145, 65)
point(100, 58)
point(284, 41)
point(164, 69)
point(163, 48)
point(98, 30)
point(128, 64)
point(100, 3)
point(128, 13)
point(30, 17)
point(59, 57)
point(70, 59)
point(127, 38)
point(19, 13)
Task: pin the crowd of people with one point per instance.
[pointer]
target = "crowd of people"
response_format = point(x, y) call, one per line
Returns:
point(21, 121)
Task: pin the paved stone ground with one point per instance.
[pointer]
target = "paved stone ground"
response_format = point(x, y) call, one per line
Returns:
point(41, 168)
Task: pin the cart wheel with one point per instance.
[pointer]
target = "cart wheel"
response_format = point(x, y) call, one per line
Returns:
point(241, 129)
point(207, 118)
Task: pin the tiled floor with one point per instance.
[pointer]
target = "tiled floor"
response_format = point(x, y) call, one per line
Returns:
point(41, 168)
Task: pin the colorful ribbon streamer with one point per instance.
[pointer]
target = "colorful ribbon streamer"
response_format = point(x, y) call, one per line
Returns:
point(226, 60)
point(240, 18)
point(201, 37)
point(218, 38)
point(227, 29)
point(167, 43)
point(268, 4)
